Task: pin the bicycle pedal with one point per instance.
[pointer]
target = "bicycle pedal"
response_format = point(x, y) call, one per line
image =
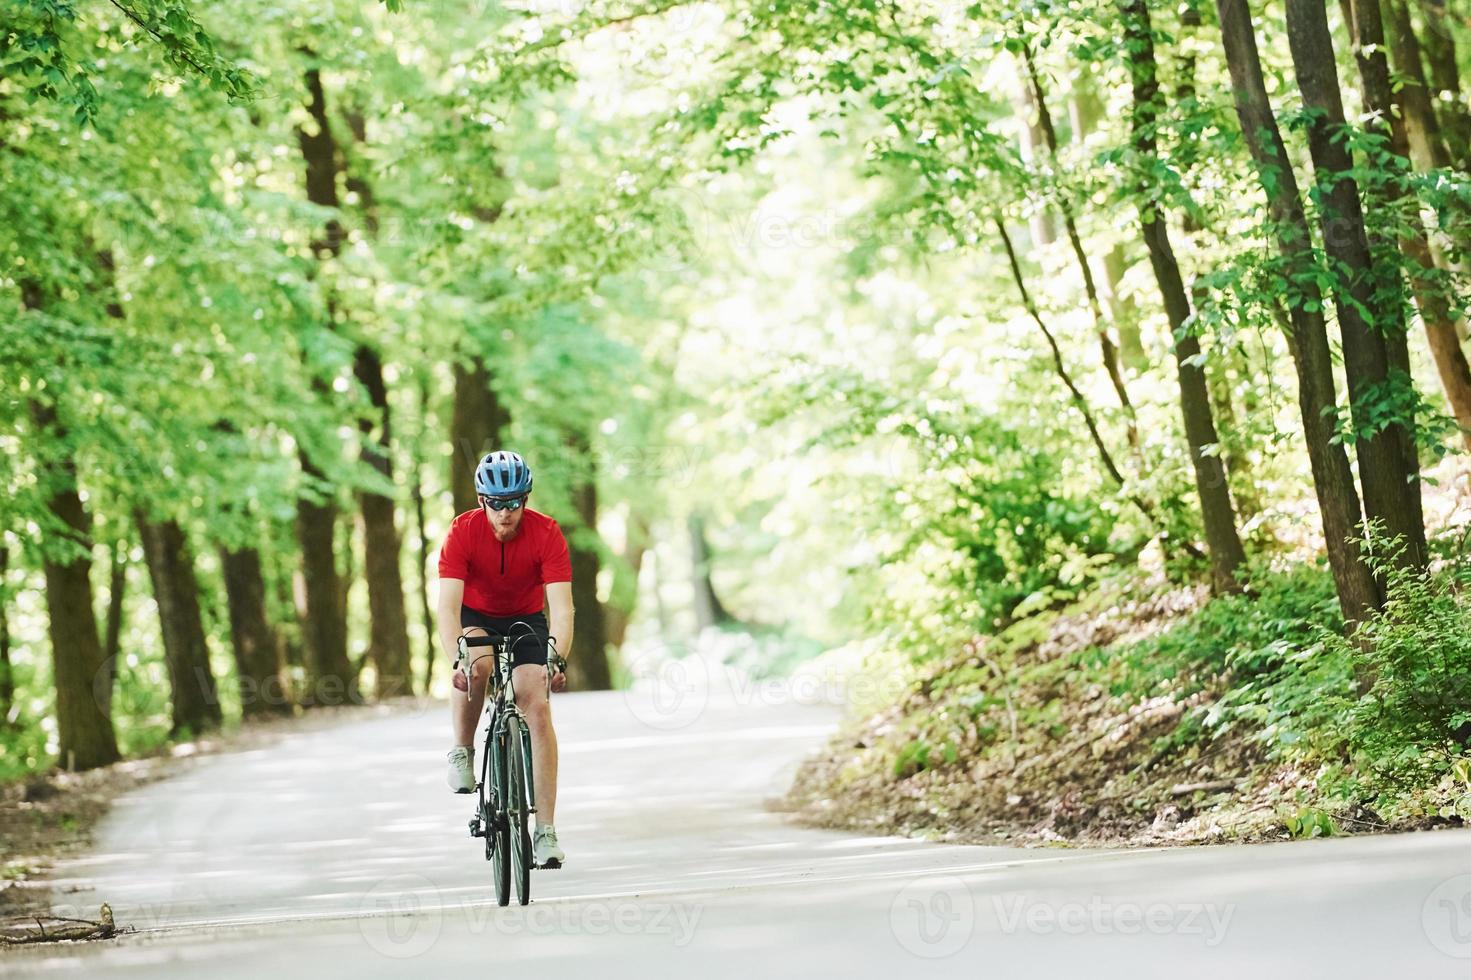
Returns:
point(551, 865)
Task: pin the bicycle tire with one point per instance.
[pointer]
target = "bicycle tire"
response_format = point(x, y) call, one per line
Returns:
point(483, 808)
point(516, 808)
point(497, 839)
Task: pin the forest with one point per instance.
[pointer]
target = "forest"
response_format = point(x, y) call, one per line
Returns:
point(1086, 367)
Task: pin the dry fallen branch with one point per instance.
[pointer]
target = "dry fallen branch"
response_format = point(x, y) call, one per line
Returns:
point(1214, 786)
point(58, 928)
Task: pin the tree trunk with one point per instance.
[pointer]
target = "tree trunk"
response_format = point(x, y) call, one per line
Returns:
point(477, 425)
point(1079, 401)
point(291, 600)
point(257, 655)
point(1040, 224)
point(1369, 323)
point(1124, 311)
point(324, 625)
point(1338, 502)
point(1187, 98)
point(624, 598)
point(708, 609)
point(1445, 77)
point(388, 644)
point(196, 703)
point(112, 639)
point(388, 637)
point(7, 677)
point(83, 705)
point(1085, 109)
point(1244, 490)
point(1367, 29)
point(588, 668)
point(85, 734)
point(1218, 516)
point(1107, 348)
point(1427, 142)
point(426, 611)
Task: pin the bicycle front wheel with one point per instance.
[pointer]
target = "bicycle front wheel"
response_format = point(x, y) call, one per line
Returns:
point(497, 842)
point(517, 810)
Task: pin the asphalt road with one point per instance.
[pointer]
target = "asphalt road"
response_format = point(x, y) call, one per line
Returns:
point(340, 852)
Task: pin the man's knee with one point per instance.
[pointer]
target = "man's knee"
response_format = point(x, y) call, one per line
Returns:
point(482, 659)
point(532, 700)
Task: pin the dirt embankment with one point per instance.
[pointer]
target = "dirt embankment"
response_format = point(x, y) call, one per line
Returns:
point(1055, 757)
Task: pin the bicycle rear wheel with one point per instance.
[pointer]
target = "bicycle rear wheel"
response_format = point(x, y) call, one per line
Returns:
point(517, 813)
point(497, 842)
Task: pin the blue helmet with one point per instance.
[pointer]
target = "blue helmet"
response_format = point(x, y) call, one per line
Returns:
point(502, 474)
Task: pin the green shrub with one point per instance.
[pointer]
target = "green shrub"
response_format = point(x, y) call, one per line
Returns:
point(1415, 720)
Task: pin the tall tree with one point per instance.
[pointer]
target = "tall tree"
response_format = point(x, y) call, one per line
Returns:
point(416, 484)
point(1445, 77)
point(196, 703)
point(1108, 349)
point(252, 639)
point(388, 638)
point(1338, 501)
point(7, 676)
point(388, 645)
point(1218, 515)
point(1076, 397)
point(1367, 29)
point(324, 622)
point(1369, 318)
point(477, 425)
point(709, 610)
point(1422, 127)
point(83, 707)
point(112, 632)
point(588, 669)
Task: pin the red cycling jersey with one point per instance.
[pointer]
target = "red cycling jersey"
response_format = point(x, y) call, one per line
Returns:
point(505, 578)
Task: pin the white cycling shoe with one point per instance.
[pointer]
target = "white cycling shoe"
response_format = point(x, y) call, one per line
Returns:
point(461, 774)
point(544, 850)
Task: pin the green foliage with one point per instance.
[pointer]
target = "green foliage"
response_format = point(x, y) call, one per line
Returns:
point(1250, 633)
point(1414, 723)
point(1309, 822)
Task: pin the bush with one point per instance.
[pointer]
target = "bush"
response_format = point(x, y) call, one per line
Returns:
point(1415, 720)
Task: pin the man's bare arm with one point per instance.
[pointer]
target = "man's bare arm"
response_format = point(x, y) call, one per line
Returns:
point(559, 615)
point(451, 598)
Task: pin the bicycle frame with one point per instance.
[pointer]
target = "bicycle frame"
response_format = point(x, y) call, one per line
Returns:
point(500, 707)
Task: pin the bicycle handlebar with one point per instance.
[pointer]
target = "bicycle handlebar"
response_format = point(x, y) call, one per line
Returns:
point(556, 663)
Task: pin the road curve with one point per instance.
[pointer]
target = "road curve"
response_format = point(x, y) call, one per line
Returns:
point(340, 852)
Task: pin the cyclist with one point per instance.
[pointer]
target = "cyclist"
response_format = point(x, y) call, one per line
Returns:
point(503, 564)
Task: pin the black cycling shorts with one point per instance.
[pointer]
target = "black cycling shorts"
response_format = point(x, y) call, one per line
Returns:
point(528, 645)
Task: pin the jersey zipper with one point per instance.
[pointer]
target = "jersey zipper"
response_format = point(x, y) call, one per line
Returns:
point(503, 558)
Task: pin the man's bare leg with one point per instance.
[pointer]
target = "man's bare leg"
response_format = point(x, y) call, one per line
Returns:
point(463, 711)
point(533, 698)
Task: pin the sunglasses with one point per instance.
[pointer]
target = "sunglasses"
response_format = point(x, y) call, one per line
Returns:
point(503, 503)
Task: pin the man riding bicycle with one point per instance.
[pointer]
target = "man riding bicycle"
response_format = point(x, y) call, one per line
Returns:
point(505, 564)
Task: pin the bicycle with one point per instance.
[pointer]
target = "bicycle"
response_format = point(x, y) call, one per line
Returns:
point(505, 792)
